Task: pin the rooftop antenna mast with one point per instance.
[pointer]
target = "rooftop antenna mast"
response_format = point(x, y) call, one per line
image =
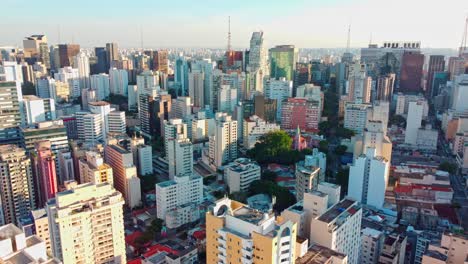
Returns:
point(463, 47)
point(349, 38)
point(141, 37)
point(229, 34)
point(370, 40)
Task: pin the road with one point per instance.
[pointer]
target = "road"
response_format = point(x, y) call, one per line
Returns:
point(460, 196)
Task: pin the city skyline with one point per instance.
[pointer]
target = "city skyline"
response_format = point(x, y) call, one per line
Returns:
point(312, 24)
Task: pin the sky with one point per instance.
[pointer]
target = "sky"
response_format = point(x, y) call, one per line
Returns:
point(204, 23)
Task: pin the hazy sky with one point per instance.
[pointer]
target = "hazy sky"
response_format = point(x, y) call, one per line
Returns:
point(203, 23)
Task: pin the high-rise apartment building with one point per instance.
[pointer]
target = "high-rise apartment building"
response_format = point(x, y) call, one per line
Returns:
point(368, 178)
point(197, 88)
point(116, 122)
point(278, 90)
point(283, 61)
point(10, 120)
point(356, 116)
point(89, 127)
point(300, 112)
point(126, 180)
point(371, 245)
point(253, 128)
point(223, 145)
point(436, 64)
point(38, 109)
point(178, 193)
point(102, 65)
point(179, 149)
point(385, 86)
point(236, 233)
point(373, 136)
point(81, 62)
point(360, 85)
point(227, 99)
point(460, 93)
point(339, 229)
point(35, 46)
point(181, 107)
point(92, 168)
point(413, 122)
point(44, 171)
point(160, 61)
point(45, 87)
point(67, 167)
point(94, 209)
point(181, 75)
point(101, 84)
point(17, 195)
point(72, 77)
point(142, 155)
point(118, 81)
point(146, 82)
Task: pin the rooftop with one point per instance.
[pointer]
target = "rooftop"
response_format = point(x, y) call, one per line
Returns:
point(99, 103)
point(319, 255)
point(250, 215)
point(336, 210)
point(436, 255)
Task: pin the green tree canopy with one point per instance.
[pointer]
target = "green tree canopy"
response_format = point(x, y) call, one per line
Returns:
point(340, 150)
point(284, 198)
point(448, 167)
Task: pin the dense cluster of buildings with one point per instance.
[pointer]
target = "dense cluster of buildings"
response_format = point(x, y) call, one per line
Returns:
point(114, 153)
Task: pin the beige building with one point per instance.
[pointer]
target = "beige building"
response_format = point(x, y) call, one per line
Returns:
point(307, 178)
point(16, 248)
point(86, 224)
point(373, 136)
point(236, 233)
point(93, 169)
point(126, 180)
point(452, 249)
point(240, 173)
point(16, 184)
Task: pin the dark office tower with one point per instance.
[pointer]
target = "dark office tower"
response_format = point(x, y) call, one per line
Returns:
point(385, 85)
point(411, 71)
point(160, 61)
point(265, 108)
point(102, 62)
point(66, 54)
point(436, 64)
point(112, 53)
point(10, 113)
point(301, 75)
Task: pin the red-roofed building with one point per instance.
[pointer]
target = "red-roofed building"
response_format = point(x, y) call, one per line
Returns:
point(134, 261)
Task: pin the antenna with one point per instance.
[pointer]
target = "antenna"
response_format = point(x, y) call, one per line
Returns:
point(141, 37)
point(229, 34)
point(463, 42)
point(370, 40)
point(349, 37)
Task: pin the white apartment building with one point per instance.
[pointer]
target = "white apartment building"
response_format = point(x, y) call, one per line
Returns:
point(126, 180)
point(81, 62)
point(118, 80)
point(181, 107)
point(182, 190)
point(146, 81)
point(142, 155)
point(460, 93)
point(100, 83)
point(196, 87)
point(368, 179)
point(360, 85)
point(45, 87)
point(356, 116)
point(317, 159)
point(339, 229)
point(86, 224)
point(413, 122)
point(227, 98)
point(278, 90)
point(103, 109)
point(89, 126)
point(116, 122)
point(92, 169)
point(38, 109)
point(373, 137)
point(254, 127)
point(223, 145)
point(16, 247)
point(240, 173)
point(201, 127)
point(179, 156)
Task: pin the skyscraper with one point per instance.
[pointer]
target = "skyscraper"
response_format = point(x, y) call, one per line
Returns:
point(66, 53)
point(94, 209)
point(11, 116)
point(258, 54)
point(118, 81)
point(385, 86)
point(81, 62)
point(436, 64)
point(197, 88)
point(160, 61)
point(100, 83)
point(112, 51)
point(181, 75)
point(360, 84)
point(102, 60)
point(44, 172)
point(16, 184)
point(125, 174)
point(411, 71)
point(283, 61)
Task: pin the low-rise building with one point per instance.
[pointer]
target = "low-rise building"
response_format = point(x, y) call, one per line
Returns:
point(253, 128)
point(240, 174)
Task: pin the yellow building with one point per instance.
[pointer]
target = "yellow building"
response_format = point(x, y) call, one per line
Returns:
point(86, 224)
point(93, 169)
point(236, 233)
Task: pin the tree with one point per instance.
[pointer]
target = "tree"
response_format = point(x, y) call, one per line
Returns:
point(271, 145)
point(156, 226)
point(323, 146)
point(28, 88)
point(148, 182)
point(397, 120)
point(342, 178)
point(324, 128)
point(238, 196)
point(269, 175)
point(340, 150)
point(344, 132)
point(284, 198)
point(448, 167)
point(208, 180)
